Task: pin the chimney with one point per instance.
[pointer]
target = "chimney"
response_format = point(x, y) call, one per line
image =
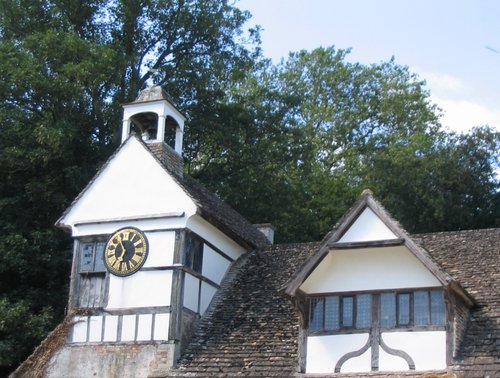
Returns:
point(267, 229)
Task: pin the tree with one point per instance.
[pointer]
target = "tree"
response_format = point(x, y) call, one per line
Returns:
point(308, 135)
point(67, 66)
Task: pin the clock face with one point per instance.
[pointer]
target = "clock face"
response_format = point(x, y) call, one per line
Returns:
point(126, 251)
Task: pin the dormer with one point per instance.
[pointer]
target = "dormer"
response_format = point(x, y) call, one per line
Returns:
point(153, 116)
point(371, 299)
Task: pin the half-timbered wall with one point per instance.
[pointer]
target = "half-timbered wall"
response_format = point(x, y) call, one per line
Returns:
point(346, 290)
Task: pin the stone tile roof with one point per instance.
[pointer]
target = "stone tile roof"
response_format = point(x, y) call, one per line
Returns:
point(472, 258)
point(251, 329)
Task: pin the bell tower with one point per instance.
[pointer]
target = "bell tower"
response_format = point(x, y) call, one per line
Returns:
point(155, 118)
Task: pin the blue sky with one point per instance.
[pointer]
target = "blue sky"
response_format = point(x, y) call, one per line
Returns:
point(453, 44)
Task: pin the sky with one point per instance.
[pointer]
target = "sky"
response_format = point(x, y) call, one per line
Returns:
point(452, 44)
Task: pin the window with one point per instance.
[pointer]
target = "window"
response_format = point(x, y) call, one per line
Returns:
point(194, 252)
point(422, 308)
point(412, 309)
point(340, 312)
point(91, 257)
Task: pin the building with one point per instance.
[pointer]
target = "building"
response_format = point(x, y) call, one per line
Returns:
point(168, 280)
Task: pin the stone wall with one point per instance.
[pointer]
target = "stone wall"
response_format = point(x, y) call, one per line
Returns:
point(111, 360)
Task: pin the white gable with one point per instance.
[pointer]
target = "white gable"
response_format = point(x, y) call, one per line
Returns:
point(369, 269)
point(367, 227)
point(133, 184)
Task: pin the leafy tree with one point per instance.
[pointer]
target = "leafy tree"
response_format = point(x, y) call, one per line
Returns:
point(67, 66)
point(308, 135)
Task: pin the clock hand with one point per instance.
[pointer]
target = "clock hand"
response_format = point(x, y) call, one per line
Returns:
point(120, 258)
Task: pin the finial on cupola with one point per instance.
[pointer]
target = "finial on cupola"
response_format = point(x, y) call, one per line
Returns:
point(153, 116)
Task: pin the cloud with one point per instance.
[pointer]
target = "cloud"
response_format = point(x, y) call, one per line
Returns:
point(462, 115)
point(443, 83)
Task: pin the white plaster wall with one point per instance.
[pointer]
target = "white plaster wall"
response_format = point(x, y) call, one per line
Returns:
point(110, 328)
point(207, 293)
point(128, 328)
point(134, 328)
point(389, 362)
point(142, 289)
point(215, 237)
point(367, 227)
point(80, 329)
point(191, 292)
point(369, 269)
point(144, 327)
point(214, 265)
point(161, 248)
point(428, 349)
point(132, 184)
point(95, 328)
point(323, 353)
point(162, 322)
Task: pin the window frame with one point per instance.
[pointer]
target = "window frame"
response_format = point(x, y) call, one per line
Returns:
point(376, 312)
point(340, 313)
point(95, 253)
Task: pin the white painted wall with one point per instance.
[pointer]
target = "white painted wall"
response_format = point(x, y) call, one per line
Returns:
point(142, 289)
point(132, 184)
point(162, 322)
point(367, 227)
point(95, 328)
point(323, 353)
point(110, 328)
point(191, 292)
point(128, 328)
point(144, 327)
point(428, 350)
point(139, 327)
point(80, 329)
point(369, 269)
point(215, 237)
point(214, 265)
point(161, 249)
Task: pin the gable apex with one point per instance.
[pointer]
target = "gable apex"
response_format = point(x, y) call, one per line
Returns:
point(132, 184)
point(350, 225)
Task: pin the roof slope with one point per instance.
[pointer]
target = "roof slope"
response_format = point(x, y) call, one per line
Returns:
point(251, 329)
point(472, 258)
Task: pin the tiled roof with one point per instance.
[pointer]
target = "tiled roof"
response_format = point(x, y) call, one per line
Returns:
point(252, 329)
point(472, 258)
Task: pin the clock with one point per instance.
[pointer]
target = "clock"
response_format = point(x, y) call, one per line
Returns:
point(126, 251)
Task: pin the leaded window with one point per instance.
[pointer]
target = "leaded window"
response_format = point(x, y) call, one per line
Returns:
point(405, 309)
point(330, 313)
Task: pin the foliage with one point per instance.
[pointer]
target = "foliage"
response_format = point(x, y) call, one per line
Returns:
point(67, 66)
point(308, 135)
point(292, 144)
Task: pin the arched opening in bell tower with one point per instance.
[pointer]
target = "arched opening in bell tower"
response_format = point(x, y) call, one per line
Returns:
point(145, 124)
point(171, 127)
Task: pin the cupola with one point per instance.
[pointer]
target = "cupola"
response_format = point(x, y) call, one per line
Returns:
point(155, 118)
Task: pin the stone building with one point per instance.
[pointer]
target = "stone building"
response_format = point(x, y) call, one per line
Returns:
point(168, 280)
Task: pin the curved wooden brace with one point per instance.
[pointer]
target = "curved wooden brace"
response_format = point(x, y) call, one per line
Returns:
point(350, 355)
point(398, 353)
